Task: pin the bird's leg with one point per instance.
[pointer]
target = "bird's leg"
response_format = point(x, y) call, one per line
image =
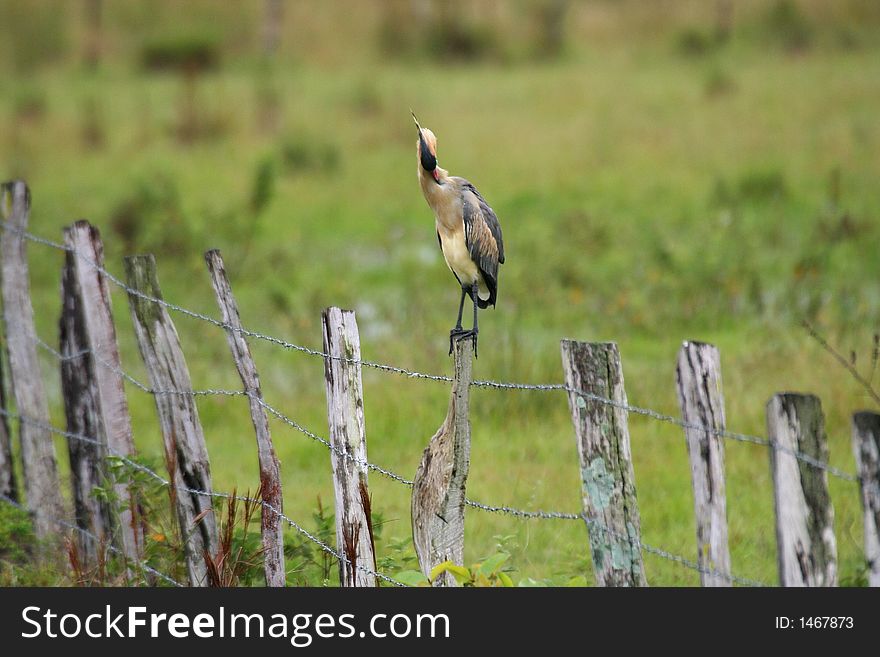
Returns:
point(475, 330)
point(457, 330)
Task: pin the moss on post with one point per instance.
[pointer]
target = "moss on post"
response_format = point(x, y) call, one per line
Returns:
point(609, 493)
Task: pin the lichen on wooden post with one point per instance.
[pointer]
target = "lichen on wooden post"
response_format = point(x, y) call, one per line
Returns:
point(37, 449)
point(348, 456)
point(866, 446)
point(602, 431)
point(438, 498)
point(806, 547)
point(270, 476)
point(94, 394)
point(185, 452)
point(698, 379)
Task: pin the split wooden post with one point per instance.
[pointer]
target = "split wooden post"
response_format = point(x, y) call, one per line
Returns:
point(348, 454)
point(8, 487)
point(185, 452)
point(698, 378)
point(602, 431)
point(270, 477)
point(438, 498)
point(94, 393)
point(866, 445)
point(806, 547)
point(37, 449)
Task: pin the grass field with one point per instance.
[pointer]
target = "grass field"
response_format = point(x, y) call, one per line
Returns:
point(648, 194)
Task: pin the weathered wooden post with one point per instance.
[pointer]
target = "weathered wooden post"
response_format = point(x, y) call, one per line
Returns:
point(270, 477)
point(698, 375)
point(438, 498)
point(866, 445)
point(87, 466)
point(185, 452)
point(602, 430)
point(8, 487)
point(94, 394)
point(37, 449)
point(345, 414)
point(806, 547)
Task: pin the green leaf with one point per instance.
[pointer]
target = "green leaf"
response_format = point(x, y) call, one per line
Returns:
point(579, 580)
point(460, 573)
point(505, 579)
point(529, 582)
point(411, 578)
point(440, 568)
point(491, 565)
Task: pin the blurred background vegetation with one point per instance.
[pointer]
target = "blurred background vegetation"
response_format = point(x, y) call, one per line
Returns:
point(663, 171)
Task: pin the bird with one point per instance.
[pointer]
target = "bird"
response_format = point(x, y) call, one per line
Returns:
point(467, 229)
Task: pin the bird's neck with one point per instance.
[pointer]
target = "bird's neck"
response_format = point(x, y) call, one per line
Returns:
point(434, 191)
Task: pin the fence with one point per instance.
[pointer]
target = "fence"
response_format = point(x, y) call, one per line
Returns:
point(99, 431)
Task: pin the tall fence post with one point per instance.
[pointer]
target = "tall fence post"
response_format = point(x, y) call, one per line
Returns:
point(806, 547)
point(185, 452)
point(270, 477)
point(345, 414)
point(438, 498)
point(8, 487)
point(87, 466)
point(698, 378)
point(88, 327)
point(37, 449)
point(602, 430)
point(866, 445)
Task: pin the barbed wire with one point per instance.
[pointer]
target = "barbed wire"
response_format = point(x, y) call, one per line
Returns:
point(741, 437)
point(194, 491)
point(498, 385)
point(503, 510)
point(112, 548)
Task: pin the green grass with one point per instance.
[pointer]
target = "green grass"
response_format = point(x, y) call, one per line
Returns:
point(642, 201)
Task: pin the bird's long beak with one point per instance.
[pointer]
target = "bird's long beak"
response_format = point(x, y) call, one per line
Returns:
point(416, 121)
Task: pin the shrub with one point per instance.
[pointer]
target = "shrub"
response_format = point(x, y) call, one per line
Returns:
point(191, 53)
point(786, 25)
point(299, 155)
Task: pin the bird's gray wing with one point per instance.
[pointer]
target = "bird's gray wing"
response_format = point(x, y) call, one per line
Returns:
point(488, 215)
point(482, 234)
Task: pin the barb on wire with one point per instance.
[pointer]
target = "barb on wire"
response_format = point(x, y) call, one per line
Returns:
point(69, 525)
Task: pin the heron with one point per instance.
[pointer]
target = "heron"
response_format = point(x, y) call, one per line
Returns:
point(467, 229)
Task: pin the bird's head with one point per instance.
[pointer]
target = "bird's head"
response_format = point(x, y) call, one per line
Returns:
point(427, 150)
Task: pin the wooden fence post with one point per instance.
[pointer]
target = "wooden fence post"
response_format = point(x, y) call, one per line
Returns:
point(8, 487)
point(806, 547)
point(87, 466)
point(866, 445)
point(698, 378)
point(270, 477)
point(185, 452)
point(345, 414)
point(87, 326)
point(37, 449)
point(438, 498)
point(609, 492)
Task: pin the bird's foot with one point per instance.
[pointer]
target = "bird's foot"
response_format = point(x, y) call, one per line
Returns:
point(459, 333)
